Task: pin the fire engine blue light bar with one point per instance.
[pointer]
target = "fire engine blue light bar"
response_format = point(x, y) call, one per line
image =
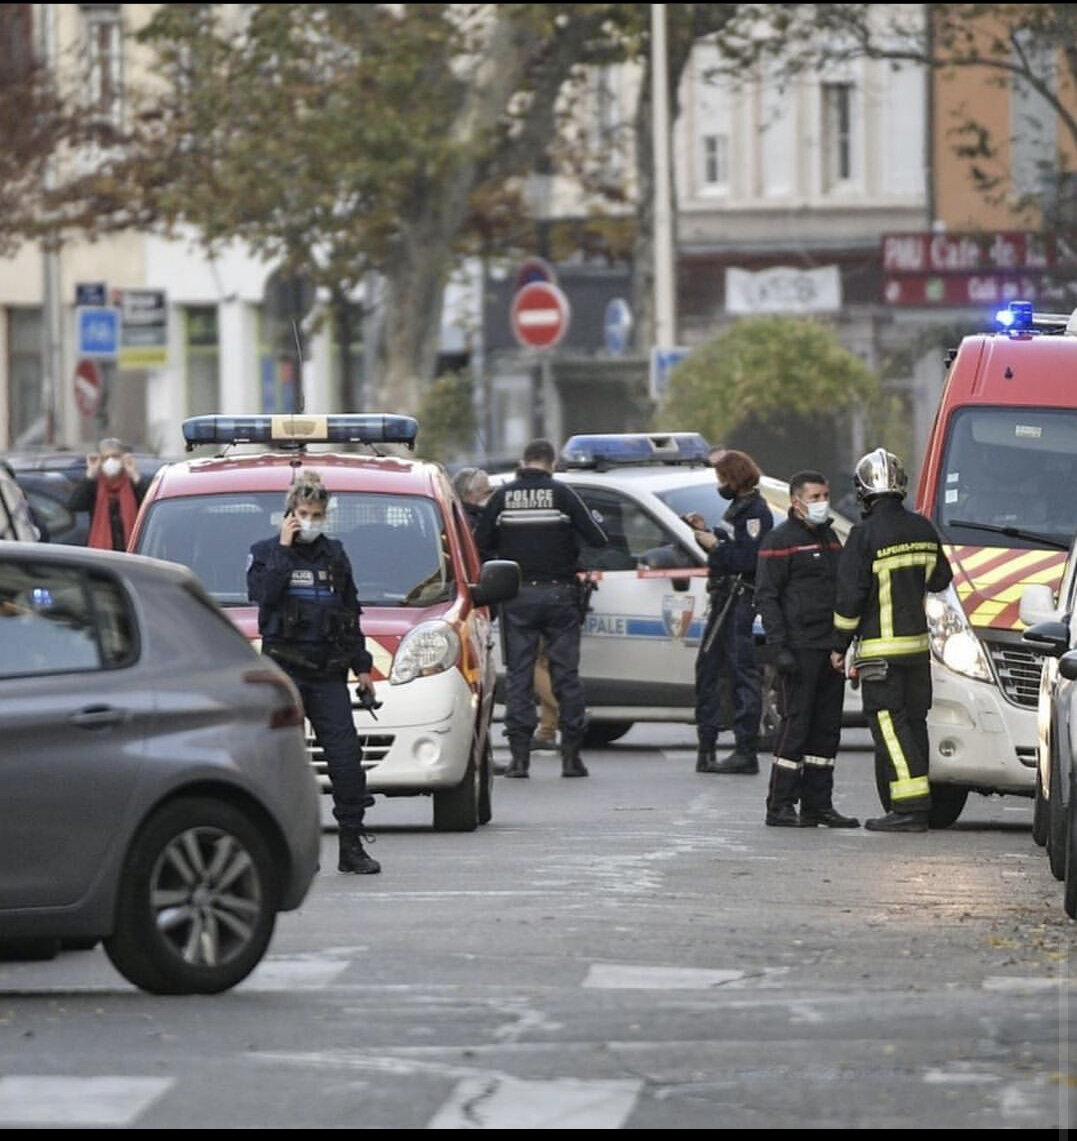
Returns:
point(635, 448)
point(298, 428)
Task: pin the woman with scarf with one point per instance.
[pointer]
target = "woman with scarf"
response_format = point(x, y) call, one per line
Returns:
point(111, 493)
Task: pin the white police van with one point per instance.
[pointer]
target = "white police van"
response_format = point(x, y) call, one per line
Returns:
point(646, 616)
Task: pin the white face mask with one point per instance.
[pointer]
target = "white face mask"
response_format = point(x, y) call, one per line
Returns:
point(112, 467)
point(309, 530)
point(817, 512)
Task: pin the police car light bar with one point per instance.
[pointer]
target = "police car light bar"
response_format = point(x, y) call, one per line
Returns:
point(635, 448)
point(295, 430)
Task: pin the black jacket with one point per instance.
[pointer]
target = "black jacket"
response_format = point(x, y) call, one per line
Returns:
point(538, 522)
point(308, 606)
point(796, 584)
point(891, 559)
point(751, 518)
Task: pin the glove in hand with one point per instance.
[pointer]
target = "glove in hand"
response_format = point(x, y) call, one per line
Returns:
point(786, 663)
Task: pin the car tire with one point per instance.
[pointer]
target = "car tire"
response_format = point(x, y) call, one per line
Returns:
point(1039, 813)
point(599, 733)
point(1056, 821)
point(947, 804)
point(457, 809)
point(167, 942)
point(486, 784)
point(1070, 895)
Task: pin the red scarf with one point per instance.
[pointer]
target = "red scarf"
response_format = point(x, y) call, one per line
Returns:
point(107, 493)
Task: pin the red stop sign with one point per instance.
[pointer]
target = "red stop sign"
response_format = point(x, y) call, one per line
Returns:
point(89, 387)
point(540, 315)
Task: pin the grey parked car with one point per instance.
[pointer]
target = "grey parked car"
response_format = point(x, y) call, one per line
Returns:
point(155, 791)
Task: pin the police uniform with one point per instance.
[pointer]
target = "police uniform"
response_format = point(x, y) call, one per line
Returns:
point(539, 522)
point(731, 565)
point(891, 558)
point(795, 587)
point(308, 616)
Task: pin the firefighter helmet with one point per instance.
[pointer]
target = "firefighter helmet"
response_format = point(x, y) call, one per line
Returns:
point(879, 473)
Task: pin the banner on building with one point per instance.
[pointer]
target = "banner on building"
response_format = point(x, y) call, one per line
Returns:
point(144, 328)
point(783, 289)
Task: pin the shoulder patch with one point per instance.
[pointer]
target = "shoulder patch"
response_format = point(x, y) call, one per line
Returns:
point(753, 527)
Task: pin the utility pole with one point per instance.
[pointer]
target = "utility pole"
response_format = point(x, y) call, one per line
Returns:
point(665, 322)
point(52, 349)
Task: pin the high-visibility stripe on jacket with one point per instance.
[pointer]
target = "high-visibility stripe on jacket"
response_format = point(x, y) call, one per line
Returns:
point(890, 560)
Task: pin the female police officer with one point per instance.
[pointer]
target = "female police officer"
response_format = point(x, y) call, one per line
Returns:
point(308, 616)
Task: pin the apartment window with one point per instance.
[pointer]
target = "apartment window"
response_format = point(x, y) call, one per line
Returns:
point(837, 134)
point(24, 338)
point(103, 31)
point(715, 160)
point(16, 43)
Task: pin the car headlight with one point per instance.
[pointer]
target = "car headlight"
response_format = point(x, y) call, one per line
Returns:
point(430, 648)
point(953, 641)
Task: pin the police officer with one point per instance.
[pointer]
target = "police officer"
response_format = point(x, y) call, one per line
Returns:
point(892, 557)
point(728, 645)
point(539, 522)
point(795, 585)
point(308, 616)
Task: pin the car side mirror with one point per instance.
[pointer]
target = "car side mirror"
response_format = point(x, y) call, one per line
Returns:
point(1067, 665)
point(499, 580)
point(1049, 638)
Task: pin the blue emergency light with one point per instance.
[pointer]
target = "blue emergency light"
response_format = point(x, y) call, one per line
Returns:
point(611, 449)
point(297, 429)
point(1019, 319)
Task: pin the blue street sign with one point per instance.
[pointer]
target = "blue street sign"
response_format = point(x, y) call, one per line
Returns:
point(618, 326)
point(663, 362)
point(89, 293)
point(97, 331)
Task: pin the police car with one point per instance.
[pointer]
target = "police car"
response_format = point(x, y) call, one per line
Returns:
point(424, 594)
point(646, 616)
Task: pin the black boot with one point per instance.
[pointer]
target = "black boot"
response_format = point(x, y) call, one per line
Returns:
point(353, 857)
point(817, 806)
point(898, 822)
point(705, 759)
point(741, 760)
point(521, 759)
point(783, 793)
point(571, 765)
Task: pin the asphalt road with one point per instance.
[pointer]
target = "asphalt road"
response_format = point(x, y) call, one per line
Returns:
point(636, 950)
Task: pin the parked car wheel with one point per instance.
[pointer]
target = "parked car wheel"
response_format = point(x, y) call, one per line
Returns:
point(486, 784)
point(599, 733)
point(1039, 813)
point(457, 809)
point(1070, 898)
point(198, 900)
point(1056, 822)
point(947, 804)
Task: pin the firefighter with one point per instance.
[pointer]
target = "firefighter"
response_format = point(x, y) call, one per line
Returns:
point(795, 585)
point(891, 559)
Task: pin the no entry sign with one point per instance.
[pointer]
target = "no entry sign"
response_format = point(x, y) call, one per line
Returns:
point(89, 388)
point(540, 315)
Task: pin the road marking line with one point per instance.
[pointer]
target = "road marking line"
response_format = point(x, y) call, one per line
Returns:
point(39, 1100)
point(564, 1103)
point(615, 976)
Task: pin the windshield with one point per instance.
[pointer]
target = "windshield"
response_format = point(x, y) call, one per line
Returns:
point(701, 498)
point(395, 542)
point(1013, 468)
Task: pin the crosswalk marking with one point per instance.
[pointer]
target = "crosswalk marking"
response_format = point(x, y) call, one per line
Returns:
point(498, 1102)
point(39, 1100)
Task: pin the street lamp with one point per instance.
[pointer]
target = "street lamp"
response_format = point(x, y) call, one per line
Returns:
point(664, 315)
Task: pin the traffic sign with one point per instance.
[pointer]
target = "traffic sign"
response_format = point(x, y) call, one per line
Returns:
point(618, 325)
point(663, 362)
point(540, 315)
point(97, 331)
point(535, 269)
point(90, 293)
point(89, 387)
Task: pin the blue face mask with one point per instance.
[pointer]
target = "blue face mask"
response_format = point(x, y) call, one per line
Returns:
point(817, 512)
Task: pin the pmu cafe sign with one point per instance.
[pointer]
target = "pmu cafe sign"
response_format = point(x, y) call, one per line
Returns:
point(926, 269)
